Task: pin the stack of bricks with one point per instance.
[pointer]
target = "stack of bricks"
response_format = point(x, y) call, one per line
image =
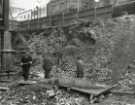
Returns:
point(103, 74)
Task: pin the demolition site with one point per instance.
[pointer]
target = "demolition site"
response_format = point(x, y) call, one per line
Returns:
point(70, 52)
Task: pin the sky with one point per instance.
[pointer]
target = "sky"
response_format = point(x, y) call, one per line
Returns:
point(28, 4)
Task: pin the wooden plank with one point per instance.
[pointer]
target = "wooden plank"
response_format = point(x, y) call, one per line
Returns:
point(22, 82)
point(47, 86)
point(2, 88)
point(10, 73)
point(5, 80)
point(95, 92)
point(123, 92)
point(51, 81)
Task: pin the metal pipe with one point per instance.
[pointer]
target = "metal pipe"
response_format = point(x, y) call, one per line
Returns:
point(95, 12)
point(63, 18)
point(2, 47)
point(78, 8)
point(95, 8)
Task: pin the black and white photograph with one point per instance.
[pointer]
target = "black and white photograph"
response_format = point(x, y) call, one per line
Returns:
point(67, 52)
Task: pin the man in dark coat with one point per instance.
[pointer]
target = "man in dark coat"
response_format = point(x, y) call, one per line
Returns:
point(79, 67)
point(47, 66)
point(26, 62)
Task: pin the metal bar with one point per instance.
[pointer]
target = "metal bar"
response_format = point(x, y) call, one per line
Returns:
point(0, 51)
point(2, 47)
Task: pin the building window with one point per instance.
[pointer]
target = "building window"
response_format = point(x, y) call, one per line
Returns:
point(28, 16)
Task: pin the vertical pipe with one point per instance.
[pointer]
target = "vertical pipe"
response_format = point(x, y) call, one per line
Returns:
point(37, 17)
point(78, 6)
point(40, 16)
point(7, 54)
point(30, 19)
point(2, 47)
point(5, 13)
point(63, 18)
point(38, 13)
point(34, 20)
point(95, 11)
point(0, 51)
point(50, 18)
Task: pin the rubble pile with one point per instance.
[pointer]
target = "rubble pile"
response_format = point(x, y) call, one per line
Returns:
point(68, 68)
point(123, 100)
point(127, 82)
point(86, 38)
point(104, 74)
point(37, 95)
point(70, 99)
point(105, 45)
point(25, 95)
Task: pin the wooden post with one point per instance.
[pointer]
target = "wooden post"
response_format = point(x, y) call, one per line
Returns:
point(6, 46)
point(63, 22)
point(1, 48)
point(6, 14)
point(7, 51)
point(4, 25)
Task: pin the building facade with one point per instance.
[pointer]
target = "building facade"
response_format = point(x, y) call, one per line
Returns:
point(59, 6)
point(25, 15)
point(122, 2)
point(31, 14)
point(14, 11)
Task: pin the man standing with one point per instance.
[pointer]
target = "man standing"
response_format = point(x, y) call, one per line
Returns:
point(79, 67)
point(47, 66)
point(26, 62)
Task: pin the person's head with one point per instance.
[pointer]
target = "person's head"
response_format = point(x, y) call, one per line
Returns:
point(26, 53)
point(79, 58)
point(46, 55)
point(134, 61)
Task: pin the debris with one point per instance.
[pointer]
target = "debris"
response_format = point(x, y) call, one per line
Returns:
point(4, 88)
point(108, 48)
point(22, 82)
point(50, 93)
